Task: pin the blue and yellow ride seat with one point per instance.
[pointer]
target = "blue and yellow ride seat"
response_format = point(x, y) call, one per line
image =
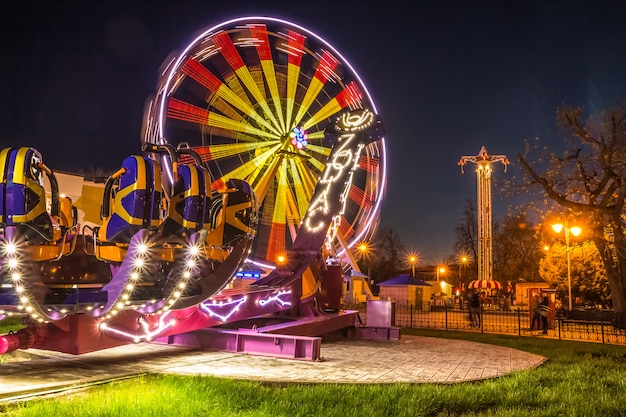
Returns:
point(132, 200)
point(23, 196)
point(189, 205)
point(234, 214)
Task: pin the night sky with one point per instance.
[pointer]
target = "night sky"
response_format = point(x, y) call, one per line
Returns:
point(447, 76)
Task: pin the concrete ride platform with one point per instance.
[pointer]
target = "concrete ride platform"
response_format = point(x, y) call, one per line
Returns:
point(413, 359)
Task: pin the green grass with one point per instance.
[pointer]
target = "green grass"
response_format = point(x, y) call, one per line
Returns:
point(6, 326)
point(580, 379)
point(10, 324)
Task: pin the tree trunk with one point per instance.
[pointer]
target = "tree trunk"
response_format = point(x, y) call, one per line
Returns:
point(615, 265)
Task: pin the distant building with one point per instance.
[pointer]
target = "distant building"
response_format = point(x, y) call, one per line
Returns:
point(356, 288)
point(406, 290)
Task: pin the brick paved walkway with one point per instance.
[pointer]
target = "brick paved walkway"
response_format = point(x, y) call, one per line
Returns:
point(414, 359)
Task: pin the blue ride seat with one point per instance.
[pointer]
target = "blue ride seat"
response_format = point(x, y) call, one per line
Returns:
point(132, 200)
point(23, 196)
point(189, 205)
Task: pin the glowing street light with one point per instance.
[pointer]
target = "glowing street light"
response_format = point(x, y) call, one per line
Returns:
point(463, 260)
point(413, 260)
point(440, 270)
point(575, 230)
point(365, 250)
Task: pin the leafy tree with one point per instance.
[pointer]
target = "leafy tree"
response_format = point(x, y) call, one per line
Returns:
point(589, 282)
point(589, 180)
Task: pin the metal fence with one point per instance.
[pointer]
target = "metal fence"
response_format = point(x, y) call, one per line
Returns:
point(596, 326)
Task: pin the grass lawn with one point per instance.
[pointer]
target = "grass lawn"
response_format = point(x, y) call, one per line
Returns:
point(10, 324)
point(580, 379)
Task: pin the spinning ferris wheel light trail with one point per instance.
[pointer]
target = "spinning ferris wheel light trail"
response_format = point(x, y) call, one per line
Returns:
point(252, 97)
point(485, 226)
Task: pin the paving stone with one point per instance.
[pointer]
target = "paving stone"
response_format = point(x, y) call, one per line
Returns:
point(413, 359)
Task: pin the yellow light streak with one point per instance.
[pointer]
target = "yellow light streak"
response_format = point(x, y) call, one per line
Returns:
point(244, 170)
point(270, 77)
point(246, 77)
point(228, 150)
point(302, 197)
point(315, 86)
point(293, 73)
point(262, 185)
point(228, 95)
point(322, 150)
point(280, 203)
point(218, 120)
point(325, 112)
point(308, 179)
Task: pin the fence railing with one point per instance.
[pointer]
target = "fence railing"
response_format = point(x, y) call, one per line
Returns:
point(515, 321)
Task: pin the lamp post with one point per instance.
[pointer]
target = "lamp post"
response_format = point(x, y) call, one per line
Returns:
point(575, 230)
point(365, 250)
point(463, 260)
point(440, 270)
point(413, 259)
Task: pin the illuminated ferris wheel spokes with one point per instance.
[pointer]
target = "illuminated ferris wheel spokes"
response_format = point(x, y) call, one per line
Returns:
point(253, 97)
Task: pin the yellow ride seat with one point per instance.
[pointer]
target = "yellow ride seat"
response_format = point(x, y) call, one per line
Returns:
point(132, 200)
point(23, 196)
point(188, 208)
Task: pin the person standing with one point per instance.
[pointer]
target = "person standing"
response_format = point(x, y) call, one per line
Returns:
point(475, 310)
point(536, 314)
point(544, 309)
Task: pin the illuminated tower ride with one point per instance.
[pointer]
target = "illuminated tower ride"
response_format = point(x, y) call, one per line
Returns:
point(483, 173)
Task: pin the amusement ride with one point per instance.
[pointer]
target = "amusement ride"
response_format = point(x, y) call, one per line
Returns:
point(484, 210)
point(260, 144)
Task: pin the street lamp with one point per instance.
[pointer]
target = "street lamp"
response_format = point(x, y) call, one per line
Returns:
point(440, 270)
point(364, 252)
point(463, 260)
point(413, 260)
point(575, 230)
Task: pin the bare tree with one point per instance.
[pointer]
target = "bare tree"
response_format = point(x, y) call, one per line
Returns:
point(589, 180)
point(390, 254)
point(516, 249)
point(467, 231)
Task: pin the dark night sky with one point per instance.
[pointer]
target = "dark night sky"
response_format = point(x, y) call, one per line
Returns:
point(447, 76)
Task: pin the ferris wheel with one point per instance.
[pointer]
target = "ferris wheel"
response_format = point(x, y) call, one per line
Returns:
point(252, 96)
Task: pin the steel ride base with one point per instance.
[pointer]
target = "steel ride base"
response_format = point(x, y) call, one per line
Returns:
point(74, 334)
point(290, 339)
point(374, 333)
point(298, 339)
point(249, 341)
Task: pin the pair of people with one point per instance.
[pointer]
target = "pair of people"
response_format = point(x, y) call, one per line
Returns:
point(541, 308)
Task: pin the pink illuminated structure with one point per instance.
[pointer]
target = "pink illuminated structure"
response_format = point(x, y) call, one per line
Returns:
point(279, 153)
